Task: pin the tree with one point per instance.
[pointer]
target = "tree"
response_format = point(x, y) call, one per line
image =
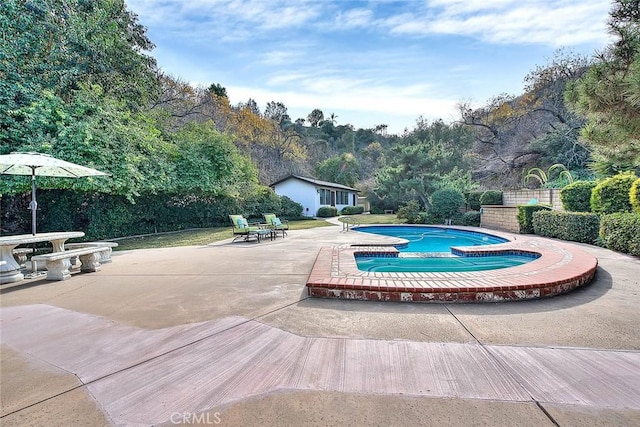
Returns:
point(276, 112)
point(608, 95)
point(70, 42)
point(513, 134)
point(343, 169)
point(218, 90)
point(208, 163)
point(100, 132)
point(432, 156)
point(315, 117)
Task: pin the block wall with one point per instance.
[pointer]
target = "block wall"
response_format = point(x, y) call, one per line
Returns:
point(500, 218)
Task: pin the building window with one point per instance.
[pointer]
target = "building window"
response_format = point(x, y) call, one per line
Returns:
point(325, 197)
point(342, 198)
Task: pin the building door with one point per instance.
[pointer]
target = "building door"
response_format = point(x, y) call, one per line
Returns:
point(333, 198)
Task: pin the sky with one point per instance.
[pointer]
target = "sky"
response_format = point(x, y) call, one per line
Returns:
point(368, 62)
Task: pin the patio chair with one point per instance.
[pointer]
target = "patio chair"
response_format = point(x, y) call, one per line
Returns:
point(242, 229)
point(276, 224)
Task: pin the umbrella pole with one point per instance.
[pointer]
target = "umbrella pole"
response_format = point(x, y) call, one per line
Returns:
point(33, 205)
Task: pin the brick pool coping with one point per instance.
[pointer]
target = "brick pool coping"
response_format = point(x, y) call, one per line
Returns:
point(560, 268)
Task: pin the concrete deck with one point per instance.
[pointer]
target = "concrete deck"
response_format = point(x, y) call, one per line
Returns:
point(225, 334)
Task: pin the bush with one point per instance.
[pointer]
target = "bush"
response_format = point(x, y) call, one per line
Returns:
point(105, 216)
point(410, 212)
point(352, 210)
point(573, 226)
point(621, 232)
point(471, 218)
point(612, 194)
point(446, 203)
point(327, 212)
point(634, 196)
point(290, 209)
point(576, 197)
point(525, 216)
point(491, 197)
point(473, 200)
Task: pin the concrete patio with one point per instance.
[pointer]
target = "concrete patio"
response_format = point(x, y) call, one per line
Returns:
point(225, 334)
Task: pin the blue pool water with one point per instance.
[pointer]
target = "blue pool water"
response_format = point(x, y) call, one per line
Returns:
point(429, 250)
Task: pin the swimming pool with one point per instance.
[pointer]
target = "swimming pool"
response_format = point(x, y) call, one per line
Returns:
point(428, 249)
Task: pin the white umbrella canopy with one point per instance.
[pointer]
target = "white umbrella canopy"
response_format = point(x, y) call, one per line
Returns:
point(39, 164)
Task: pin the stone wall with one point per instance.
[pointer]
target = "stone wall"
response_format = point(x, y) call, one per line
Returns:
point(500, 218)
point(547, 196)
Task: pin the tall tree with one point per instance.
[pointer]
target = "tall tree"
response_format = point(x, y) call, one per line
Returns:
point(609, 94)
point(432, 156)
point(513, 134)
point(343, 169)
point(277, 112)
point(315, 117)
point(218, 90)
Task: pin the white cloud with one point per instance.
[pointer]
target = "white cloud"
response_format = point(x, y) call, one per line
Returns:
point(366, 60)
point(354, 18)
point(556, 24)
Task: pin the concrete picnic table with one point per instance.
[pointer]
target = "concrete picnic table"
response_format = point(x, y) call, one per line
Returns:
point(10, 269)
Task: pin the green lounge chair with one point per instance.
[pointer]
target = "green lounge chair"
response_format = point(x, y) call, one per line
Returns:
point(276, 224)
point(242, 229)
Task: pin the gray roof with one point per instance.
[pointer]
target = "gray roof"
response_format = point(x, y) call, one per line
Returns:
point(315, 182)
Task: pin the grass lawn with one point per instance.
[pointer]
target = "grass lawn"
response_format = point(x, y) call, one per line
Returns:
point(202, 236)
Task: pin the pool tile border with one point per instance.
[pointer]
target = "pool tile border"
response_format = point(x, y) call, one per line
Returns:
point(559, 268)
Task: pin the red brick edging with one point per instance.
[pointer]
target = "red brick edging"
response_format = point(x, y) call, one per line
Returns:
point(559, 269)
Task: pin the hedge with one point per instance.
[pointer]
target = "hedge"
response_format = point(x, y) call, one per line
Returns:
point(634, 196)
point(621, 232)
point(327, 212)
point(446, 203)
point(473, 200)
point(612, 194)
point(471, 218)
point(525, 215)
point(491, 197)
point(573, 226)
point(410, 212)
point(352, 210)
point(576, 197)
point(103, 216)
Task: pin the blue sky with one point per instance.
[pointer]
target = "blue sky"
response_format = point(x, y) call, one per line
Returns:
point(368, 62)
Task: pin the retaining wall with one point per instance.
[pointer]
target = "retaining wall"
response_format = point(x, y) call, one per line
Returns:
point(500, 218)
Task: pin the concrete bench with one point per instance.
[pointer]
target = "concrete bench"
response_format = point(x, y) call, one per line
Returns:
point(58, 263)
point(20, 255)
point(105, 255)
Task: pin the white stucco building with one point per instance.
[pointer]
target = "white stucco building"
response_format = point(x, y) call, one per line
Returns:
point(313, 194)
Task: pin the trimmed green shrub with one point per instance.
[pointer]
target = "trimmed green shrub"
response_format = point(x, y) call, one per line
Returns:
point(525, 216)
point(612, 194)
point(491, 197)
point(290, 209)
point(352, 210)
point(105, 216)
point(573, 226)
point(446, 203)
point(471, 218)
point(473, 200)
point(621, 232)
point(410, 212)
point(634, 196)
point(327, 212)
point(576, 197)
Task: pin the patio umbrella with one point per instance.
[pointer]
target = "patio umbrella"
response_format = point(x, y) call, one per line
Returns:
point(38, 164)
